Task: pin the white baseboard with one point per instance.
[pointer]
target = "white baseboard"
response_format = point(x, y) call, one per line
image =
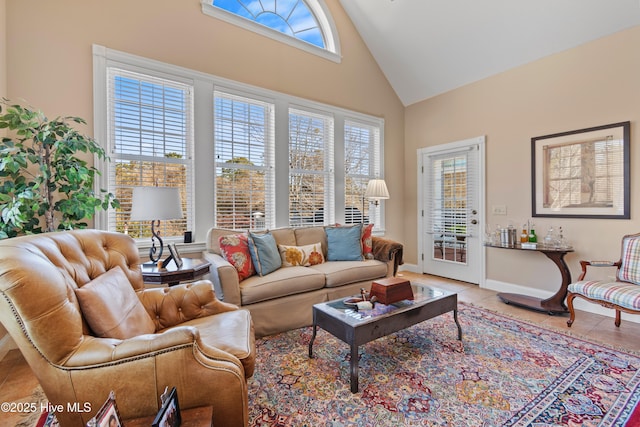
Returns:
point(6, 344)
point(578, 303)
point(411, 268)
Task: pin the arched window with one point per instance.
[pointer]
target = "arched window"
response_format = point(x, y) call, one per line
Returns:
point(305, 24)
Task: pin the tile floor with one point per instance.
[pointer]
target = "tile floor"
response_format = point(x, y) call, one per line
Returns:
point(17, 382)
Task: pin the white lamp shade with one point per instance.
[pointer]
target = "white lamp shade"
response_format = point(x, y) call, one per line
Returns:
point(155, 203)
point(376, 190)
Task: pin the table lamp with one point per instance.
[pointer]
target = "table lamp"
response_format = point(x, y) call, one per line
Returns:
point(155, 204)
point(376, 191)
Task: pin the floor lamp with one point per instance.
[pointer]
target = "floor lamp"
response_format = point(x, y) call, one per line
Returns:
point(376, 191)
point(155, 204)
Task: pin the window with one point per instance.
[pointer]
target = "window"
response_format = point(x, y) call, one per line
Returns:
point(244, 162)
point(305, 24)
point(310, 168)
point(150, 141)
point(255, 158)
point(362, 163)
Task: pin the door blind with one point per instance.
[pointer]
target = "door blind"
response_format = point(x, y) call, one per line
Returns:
point(450, 197)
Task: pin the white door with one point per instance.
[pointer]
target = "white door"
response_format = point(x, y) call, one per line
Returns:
point(451, 210)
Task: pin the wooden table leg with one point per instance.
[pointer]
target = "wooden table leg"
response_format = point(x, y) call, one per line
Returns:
point(313, 337)
point(353, 363)
point(455, 317)
point(556, 302)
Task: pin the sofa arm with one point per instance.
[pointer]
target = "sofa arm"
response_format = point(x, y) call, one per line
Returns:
point(225, 278)
point(387, 250)
point(178, 304)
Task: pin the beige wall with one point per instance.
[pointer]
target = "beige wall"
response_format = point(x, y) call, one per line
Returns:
point(594, 84)
point(3, 92)
point(50, 62)
point(3, 48)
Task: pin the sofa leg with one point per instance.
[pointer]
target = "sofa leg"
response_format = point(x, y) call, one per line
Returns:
point(572, 313)
point(618, 318)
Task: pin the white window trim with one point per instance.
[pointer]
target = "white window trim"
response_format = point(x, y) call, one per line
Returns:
point(204, 173)
point(318, 8)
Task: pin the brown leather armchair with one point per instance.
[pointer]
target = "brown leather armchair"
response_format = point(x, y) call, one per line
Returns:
point(198, 344)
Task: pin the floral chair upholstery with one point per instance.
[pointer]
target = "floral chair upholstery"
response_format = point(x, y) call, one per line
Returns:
point(623, 294)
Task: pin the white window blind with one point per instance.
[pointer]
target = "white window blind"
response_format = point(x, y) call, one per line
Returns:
point(150, 132)
point(450, 196)
point(362, 163)
point(244, 159)
point(311, 178)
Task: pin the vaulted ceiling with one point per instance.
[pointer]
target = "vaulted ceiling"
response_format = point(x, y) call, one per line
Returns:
point(428, 47)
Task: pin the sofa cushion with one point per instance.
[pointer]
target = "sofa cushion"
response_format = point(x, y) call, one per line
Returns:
point(235, 249)
point(284, 236)
point(264, 253)
point(112, 308)
point(344, 243)
point(280, 283)
point(301, 255)
point(310, 235)
point(340, 273)
point(624, 294)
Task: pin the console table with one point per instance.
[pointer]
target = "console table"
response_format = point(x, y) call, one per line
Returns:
point(554, 304)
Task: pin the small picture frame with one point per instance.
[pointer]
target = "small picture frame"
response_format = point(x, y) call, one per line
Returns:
point(169, 414)
point(107, 415)
point(175, 255)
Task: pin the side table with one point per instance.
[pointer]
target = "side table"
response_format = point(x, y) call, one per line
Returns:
point(192, 268)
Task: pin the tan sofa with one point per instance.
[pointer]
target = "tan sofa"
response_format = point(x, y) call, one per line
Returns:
point(283, 300)
point(195, 342)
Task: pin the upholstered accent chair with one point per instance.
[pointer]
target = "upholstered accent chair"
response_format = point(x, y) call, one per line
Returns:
point(622, 294)
point(75, 304)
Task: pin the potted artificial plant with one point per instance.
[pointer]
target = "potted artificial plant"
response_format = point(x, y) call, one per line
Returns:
point(44, 185)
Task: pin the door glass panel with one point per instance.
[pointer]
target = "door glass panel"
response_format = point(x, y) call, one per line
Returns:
point(449, 208)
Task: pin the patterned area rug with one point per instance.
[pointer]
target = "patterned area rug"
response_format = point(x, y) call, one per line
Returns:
point(504, 373)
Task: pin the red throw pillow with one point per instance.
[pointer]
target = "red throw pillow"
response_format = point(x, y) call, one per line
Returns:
point(235, 249)
point(367, 242)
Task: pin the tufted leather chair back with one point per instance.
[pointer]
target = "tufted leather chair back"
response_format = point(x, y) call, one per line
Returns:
point(40, 274)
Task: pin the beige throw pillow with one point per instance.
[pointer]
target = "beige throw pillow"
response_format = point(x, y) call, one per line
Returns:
point(301, 255)
point(111, 307)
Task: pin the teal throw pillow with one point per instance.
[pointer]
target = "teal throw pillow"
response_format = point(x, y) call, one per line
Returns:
point(344, 243)
point(264, 253)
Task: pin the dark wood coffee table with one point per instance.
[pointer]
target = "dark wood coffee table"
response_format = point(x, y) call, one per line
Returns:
point(357, 328)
